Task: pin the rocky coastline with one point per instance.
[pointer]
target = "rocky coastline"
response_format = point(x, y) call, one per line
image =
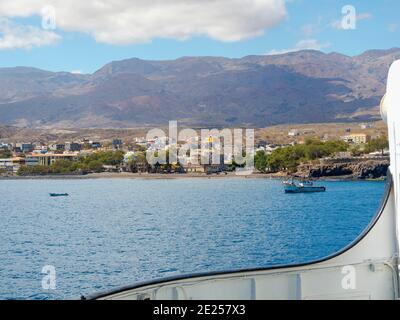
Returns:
point(359, 169)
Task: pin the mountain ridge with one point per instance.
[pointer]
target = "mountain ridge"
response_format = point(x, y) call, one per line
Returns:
point(296, 87)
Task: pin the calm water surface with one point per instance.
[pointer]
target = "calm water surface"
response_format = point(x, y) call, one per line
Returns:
point(109, 233)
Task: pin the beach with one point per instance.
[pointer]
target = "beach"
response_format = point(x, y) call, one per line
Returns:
point(128, 175)
point(160, 176)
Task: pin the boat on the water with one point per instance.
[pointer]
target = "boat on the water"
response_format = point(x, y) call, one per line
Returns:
point(302, 187)
point(367, 268)
point(59, 194)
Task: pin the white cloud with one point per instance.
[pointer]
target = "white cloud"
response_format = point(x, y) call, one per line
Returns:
point(307, 44)
point(24, 37)
point(135, 21)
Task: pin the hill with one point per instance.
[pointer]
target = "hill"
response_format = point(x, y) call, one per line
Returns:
point(298, 87)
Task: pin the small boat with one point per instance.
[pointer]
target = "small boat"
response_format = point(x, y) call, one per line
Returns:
point(302, 187)
point(59, 194)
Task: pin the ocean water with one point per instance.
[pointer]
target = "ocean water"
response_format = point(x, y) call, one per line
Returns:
point(115, 232)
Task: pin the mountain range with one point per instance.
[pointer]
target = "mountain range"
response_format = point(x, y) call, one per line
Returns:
point(299, 87)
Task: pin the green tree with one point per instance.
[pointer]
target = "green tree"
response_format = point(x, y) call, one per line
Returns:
point(260, 161)
point(138, 162)
point(64, 166)
point(95, 166)
point(288, 158)
point(379, 144)
point(356, 151)
point(33, 170)
point(4, 154)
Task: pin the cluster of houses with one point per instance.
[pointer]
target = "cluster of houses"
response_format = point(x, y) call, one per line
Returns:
point(33, 154)
point(349, 137)
point(357, 138)
point(196, 155)
point(203, 157)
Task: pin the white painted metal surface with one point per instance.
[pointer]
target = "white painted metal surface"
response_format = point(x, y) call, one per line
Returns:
point(391, 104)
point(367, 269)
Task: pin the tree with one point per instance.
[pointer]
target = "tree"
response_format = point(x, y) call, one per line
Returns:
point(379, 144)
point(138, 162)
point(334, 146)
point(356, 151)
point(260, 161)
point(5, 154)
point(63, 166)
point(288, 158)
point(95, 166)
point(90, 163)
point(33, 170)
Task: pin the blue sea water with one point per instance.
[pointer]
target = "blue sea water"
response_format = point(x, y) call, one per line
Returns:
point(115, 232)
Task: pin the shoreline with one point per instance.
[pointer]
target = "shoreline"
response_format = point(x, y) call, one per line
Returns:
point(144, 176)
point(160, 176)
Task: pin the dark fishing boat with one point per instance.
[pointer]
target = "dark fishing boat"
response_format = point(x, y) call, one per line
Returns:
point(58, 194)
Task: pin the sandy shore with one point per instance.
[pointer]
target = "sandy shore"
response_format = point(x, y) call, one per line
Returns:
point(128, 175)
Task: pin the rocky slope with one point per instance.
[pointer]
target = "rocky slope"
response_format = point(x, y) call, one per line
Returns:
point(299, 87)
point(369, 169)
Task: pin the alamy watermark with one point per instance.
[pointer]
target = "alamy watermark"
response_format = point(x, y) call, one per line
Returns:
point(349, 20)
point(48, 14)
point(49, 280)
point(215, 147)
point(349, 278)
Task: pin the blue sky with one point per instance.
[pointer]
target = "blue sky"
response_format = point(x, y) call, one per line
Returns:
point(85, 43)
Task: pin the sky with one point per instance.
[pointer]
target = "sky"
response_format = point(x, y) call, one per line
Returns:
point(82, 36)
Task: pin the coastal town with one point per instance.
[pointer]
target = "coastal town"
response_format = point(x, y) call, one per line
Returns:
point(360, 153)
